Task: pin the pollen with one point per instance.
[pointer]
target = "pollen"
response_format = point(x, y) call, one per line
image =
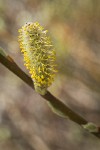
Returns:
point(39, 55)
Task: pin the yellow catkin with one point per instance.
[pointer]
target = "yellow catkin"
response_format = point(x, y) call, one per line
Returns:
point(39, 55)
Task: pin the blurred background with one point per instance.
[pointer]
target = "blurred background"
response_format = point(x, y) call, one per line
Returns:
point(26, 121)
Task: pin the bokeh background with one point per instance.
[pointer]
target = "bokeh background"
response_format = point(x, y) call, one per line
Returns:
point(26, 121)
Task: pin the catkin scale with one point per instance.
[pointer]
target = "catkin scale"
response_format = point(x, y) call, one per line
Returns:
point(39, 55)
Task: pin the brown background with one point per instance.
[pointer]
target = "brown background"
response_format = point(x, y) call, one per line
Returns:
point(26, 121)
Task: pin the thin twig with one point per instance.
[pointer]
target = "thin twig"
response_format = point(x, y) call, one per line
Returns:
point(8, 62)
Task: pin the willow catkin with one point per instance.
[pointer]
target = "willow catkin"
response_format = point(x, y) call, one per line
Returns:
point(39, 55)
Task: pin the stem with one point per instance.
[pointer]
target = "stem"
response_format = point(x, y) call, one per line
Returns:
point(8, 62)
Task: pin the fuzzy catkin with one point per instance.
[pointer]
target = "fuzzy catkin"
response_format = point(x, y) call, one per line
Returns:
point(39, 55)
